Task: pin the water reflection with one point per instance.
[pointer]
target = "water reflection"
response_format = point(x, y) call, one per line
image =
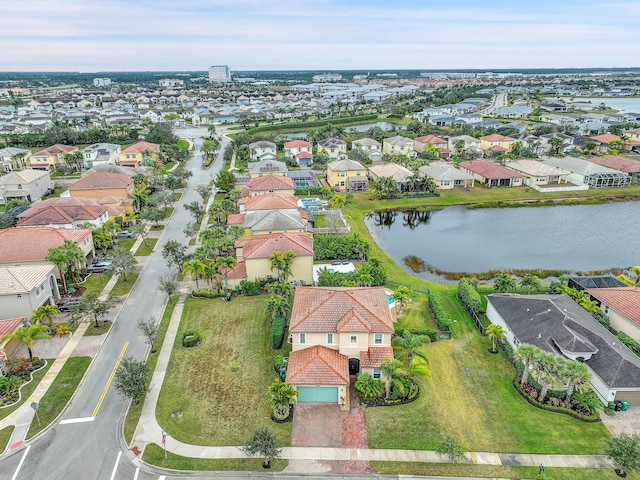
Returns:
point(410, 218)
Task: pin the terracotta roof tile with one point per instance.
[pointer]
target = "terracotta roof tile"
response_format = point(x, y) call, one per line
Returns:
point(296, 144)
point(270, 182)
point(374, 356)
point(61, 211)
point(625, 300)
point(496, 138)
point(317, 365)
point(263, 246)
point(39, 240)
point(618, 162)
point(431, 139)
point(239, 272)
point(56, 149)
point(141, 147)
point(606, 138)
point(100, 180)
point(333, 309)
point(488, 169)
point(270, 201)
point(9, 325)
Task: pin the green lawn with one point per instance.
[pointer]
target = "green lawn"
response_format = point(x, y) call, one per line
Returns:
point(156, 227)
point(134, 412)
point(154, 455)
point(5, 436)
point(26, 390)
point(102, 328)
point(59, 394)
point(126, 243)
point(220, 386)
point(496, 471)
point(168, 211)
point(176, 196)
point(184, 144)
point(144, 250)
point(483, 412)
point(95, 282)
point(122, 286)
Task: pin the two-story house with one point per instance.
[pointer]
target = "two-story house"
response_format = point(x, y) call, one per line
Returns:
point(496, 143)
point(101, 154)
point(335, 147)
point(337, 332)
point(371, 147)
point(139, 153)
point(432, 143)
point(347, 176)
point(269, 184)
point(103, 184)
point(398, 145)
point(12, 158)
point(267, 167)
point(262, 150)
point(294, 147)
point(23, 288)
point(67, 212)
point(50, 157)
point(29, 184)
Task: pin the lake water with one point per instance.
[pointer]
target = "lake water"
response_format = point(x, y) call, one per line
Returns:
point(455, 239)
point(623, 104)
point(358, 128)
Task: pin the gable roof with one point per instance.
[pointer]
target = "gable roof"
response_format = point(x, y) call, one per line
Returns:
point(22, 278)
point(618, 162)
point(9, 325)
point(297, 144)
point(39, 240)
point(270, 220)
point(270, 182)
point(344, 165)
point(270, 201)
point(334, 309)
point(624, 300)
point(488, 169)
point(430, 139)
point(397, 172)
point(556, 322)
point(141, 147)
point(55, 150)
point(100, 180)
point(398, 140)
point(496, 138)
point(23, 176)
point(536, 168)
point(606, 138)
point(317, 365)
point(63, 210)
point(263, 246)
point(444, 171)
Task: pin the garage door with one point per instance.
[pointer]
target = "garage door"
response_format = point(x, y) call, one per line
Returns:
point(632, 398)
point(318, 394)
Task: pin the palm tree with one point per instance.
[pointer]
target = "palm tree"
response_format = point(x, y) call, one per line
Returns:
point(210, 271)
point(550, 371)
point(578, 377)
point(195, 268)
point(530, 283)
point(281, 396)
point(226, 264)
point(390, 370)
point(283, 263)
point(527, 354)
point(408, 342)
point(68, 256)
point(28, 336)
point(278, 306)
point(504, 283)
point(496, 334)
point(634, 282)
point(45, 312)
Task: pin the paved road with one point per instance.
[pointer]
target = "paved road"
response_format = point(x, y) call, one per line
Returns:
point(92, 449)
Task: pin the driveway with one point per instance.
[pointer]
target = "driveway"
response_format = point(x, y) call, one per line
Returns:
point(623, 422)
point(325, 425)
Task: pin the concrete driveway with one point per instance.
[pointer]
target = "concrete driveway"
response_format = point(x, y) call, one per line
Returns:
point(325, 425)
point(623, 422)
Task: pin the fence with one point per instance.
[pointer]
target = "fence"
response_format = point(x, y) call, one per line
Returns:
point(474, 317)
point(345, 228)
point(574, 188)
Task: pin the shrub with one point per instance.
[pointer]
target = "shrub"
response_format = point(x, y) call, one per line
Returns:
point(302, 191)
point(191, 339)
point(469, 295)
point(566, 411)
point(432, 334)
point(251, 287)
point(629, 342)
point(443, 321)
point(277, 332)
point(206, 293)
point(330, 247)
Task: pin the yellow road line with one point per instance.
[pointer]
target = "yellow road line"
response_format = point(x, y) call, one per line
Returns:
point(106, 387)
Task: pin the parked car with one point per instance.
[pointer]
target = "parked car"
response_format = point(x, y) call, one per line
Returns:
point(125, 234)
point(99, 267)
point(68, 304)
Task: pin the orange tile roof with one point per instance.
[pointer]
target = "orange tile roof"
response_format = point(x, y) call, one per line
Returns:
point(270, 182)
point(606, 138)
point(61, 211)
point(374, 356)
point(488, 169)
point(496, 138)
point(270, 201)
point(99, 180)
point(141, 147)
point(236, 219)
point(304, 155)
point(239, 272)
point(39, 240)
point(618, 162)
point(497, 148)
point(625, 300)
point(56, 149)
point(9, 325)
point(296, 144)
point(430, 139)
point(317, 365)
point(263, 246)
point(334, 309)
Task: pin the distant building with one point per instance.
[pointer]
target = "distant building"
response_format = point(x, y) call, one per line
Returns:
point(327, 77)
point(219, 73)
point(171, 82)
point(101, 82)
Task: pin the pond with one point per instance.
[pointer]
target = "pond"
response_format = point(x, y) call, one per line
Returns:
point(456, 239)
point(624, 104)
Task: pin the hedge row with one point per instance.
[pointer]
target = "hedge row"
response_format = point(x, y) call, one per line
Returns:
point(468, 294)
point(277, 332)
point(629, 342)
point(549, 408)
point(311, 124)
point(443, 321)
point(302, 191)
point(331, 247)
point(432, 334)
point(206, 293)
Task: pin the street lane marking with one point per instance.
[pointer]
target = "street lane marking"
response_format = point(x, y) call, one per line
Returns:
point(24, 456)
point(106, 387)
point(77, 420)
point(115, 467)
point(162, 477)
point(135, 477)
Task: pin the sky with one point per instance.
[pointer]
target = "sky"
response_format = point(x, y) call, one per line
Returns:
point(171, 35)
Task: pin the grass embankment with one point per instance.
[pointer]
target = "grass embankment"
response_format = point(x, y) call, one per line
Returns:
point(145, 250)
point(134, 412)
point(482, 411)
point(183, 144)
point(59, 393)
point(5, 436)
point(291, 127)
point(124, 286)
point(154, 454)
point(93, 331)
point(26, 390)
point(220, 386)
point(497, 471)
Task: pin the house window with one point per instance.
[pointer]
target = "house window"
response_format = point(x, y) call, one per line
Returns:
point(329, 338)
point(358, 173)
point(353, 340)
point(342, 184)
point(606, 309)
point(303, 338)
point(516, 342)
point(342, 174)
point(377, 339)
point(377, 373)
